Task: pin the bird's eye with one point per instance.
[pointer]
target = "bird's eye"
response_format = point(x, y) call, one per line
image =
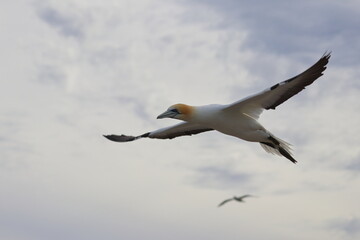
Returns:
point(175, 110)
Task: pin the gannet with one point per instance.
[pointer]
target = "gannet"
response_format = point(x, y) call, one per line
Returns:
point(238, 119)
point(239, 199)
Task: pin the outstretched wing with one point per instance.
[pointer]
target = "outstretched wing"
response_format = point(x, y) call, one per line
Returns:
point(181, 129)
point(274, 96)
point(245, 196)
point(225, 201)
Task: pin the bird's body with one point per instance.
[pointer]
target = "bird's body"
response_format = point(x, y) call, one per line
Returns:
point(239, 119)
point(233, 123)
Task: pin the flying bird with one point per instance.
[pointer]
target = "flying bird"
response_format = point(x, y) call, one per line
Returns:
point(238, 119)
point(239, 199)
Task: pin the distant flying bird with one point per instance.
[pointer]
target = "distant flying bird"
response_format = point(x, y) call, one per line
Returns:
point(238, 119)
point(239, 199)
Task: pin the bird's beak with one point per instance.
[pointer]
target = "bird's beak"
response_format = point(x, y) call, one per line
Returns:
point(167, 114)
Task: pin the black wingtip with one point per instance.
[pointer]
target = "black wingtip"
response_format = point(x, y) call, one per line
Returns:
point(120, 138)
point(287, 155)
point(327, 54)
point(325, 57)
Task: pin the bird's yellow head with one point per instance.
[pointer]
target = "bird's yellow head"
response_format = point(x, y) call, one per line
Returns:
point(178, 111)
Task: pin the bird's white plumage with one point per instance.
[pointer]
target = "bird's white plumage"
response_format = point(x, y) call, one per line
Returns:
point(238, 119)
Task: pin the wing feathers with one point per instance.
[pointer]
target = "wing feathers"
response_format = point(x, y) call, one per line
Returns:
point(125, 138)
point(182, 129)
point(280, 92)
point(299, 82)
point(178, 134)
point(225, 201)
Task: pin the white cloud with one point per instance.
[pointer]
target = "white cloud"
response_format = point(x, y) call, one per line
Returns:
point(75, 70)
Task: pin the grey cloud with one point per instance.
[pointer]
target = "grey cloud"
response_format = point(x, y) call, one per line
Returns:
point(108, 55)
point(35, 227)
point(350, 226)
point(66, 24)
point(137, 106)
point(221, 178)
point(49, 74)
point(12, 148)
point(285, 27)
point(354, 164)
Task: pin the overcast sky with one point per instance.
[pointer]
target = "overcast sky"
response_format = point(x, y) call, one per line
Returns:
point(73, 70)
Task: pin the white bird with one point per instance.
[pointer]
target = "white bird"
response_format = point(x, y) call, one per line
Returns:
point(238, 119)
point(239, 199)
